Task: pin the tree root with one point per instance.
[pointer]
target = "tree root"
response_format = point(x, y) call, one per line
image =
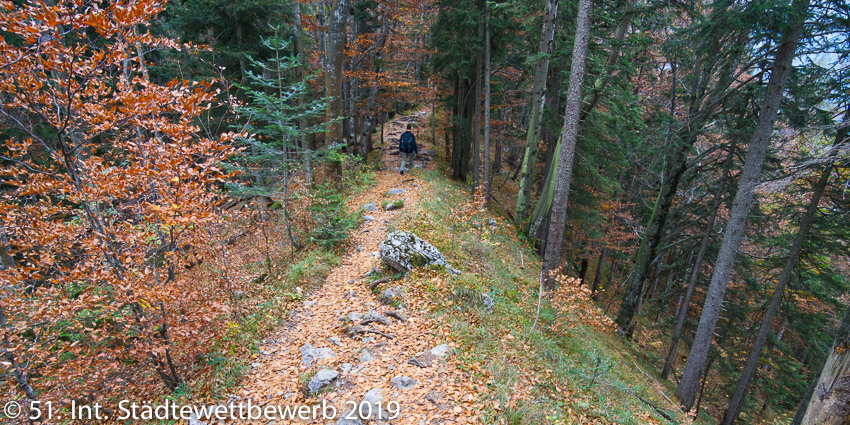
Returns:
point(357, 330)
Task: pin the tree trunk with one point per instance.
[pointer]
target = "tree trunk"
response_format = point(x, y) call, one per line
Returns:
point(568, 138)
point(613, 55)
point(487, 106)
point(582, 270)
point(539, 219)
point(597, 276)
point(476, 119)
point(368, 122)
point(702, 105)
point(532, 138)
point(828, 402)
point(306, 138)
point(651, 238)
point(734, 408)
point(682, 313)
point(688, 385)
point(335, 48)
point(12, 365)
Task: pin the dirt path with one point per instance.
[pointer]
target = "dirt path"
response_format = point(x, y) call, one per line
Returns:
point(365, 363)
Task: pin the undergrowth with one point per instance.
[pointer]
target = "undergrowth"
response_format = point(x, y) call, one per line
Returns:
point(548, 375)
point(265, 309)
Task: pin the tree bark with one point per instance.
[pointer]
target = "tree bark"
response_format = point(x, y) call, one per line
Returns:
point(476, 119)
point(532, 138)
point(335, 47)
point(568, 138)
point(307, 139)
point(370, 117)
point(487, 106)
point(828, 402)
point(597, 276)
point(682, 312)
point(689, 384)
point(735, 404)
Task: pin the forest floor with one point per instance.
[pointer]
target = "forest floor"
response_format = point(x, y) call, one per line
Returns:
point(365, 363)
point(484, 363)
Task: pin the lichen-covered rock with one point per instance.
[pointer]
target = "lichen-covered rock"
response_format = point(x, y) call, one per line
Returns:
point(321, 380)
point(404, 251)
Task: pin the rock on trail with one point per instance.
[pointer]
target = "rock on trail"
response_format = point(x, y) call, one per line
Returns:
point(311, 359)
point(404, 251)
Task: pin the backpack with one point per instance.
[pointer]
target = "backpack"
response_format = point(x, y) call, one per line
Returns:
point(407, 143)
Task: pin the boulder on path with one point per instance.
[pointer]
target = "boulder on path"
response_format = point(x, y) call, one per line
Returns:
point(371, 207)
point(395, 191)
point(321, 380)
point(310, 354)
point(404, 251)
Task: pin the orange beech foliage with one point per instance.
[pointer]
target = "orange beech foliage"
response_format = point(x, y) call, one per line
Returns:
point(576, 307)
point(108, 193)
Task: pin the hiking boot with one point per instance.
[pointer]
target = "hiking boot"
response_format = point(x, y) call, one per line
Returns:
point(402, 172)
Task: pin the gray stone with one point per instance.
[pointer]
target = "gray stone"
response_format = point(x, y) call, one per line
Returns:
point(371, 207)
point(193, 420)
point(310, 354)
point(366, 356)
point(370, 405)
point(344, 419)
point(389, 295)
point(489, 302)
point(403, 382)
point(423, 360)
point(404, 251)
point(346, 367)
point(368, 217)
point(309, 303)
point(440, 350)
point(492, 222)
point(335, 341)
point(321, 380)
point(392, 206)
point(430, 152)
point(374, 316)
point(354, 316)
point(396, 191)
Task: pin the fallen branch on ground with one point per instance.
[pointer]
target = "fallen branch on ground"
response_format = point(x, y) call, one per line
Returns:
point(396, 315)
point(375, 283)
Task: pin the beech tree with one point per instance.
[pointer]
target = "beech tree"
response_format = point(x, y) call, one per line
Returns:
point(111, 192)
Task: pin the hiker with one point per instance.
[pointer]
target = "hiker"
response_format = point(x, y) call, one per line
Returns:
point(408, 148)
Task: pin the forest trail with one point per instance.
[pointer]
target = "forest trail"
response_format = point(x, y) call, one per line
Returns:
point(442, 394)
